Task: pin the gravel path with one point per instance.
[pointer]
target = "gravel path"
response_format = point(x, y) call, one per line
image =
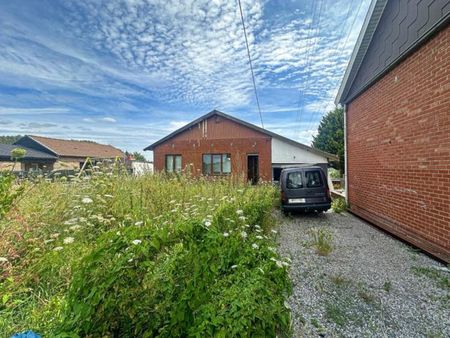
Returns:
point(370, 285)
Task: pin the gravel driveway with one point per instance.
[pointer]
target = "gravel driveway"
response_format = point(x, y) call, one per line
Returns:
point(370, 285)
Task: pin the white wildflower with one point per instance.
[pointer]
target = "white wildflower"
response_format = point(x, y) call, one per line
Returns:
point(3, 260)
point(55, 235)
point(239, 212)
point(136, 241)
point(242, 218)
point(247, 225)
point(139, 223)
point(259, 237)
point(207, 223)
point(68, 240)
point(234, 266)
point(75, 227)
point(86, 200)
point(58, 248)
point(243, 234)
point(274, 231)
point(257, 226)
point(209, 216)
point(255, 246)
point(226, 234)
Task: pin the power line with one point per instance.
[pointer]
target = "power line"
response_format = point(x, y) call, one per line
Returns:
point(339, 55)
point(308, 61)
point(251, 65)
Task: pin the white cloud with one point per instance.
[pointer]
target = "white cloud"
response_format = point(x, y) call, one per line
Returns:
point(109, 119)
point(174, 125)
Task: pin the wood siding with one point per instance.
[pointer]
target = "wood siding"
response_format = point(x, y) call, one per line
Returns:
point(217, 135)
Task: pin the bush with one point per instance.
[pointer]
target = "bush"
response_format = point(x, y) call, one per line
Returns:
point(339, 205)
point(148, 256)
point(8, 192)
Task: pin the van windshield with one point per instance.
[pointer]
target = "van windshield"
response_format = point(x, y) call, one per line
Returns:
point(313, 179)
point(294, 180)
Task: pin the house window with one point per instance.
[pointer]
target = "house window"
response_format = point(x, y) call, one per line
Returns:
point(173, 163)
point(216, 164)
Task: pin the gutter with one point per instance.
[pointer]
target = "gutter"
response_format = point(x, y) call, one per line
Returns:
point(345, 155)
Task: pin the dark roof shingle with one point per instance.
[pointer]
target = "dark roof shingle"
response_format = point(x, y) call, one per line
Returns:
point(32, 154)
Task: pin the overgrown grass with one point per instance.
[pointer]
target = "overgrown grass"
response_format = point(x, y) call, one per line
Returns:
point(338, 205)
point(441, 279)
point(111, 255)
point(322, 240)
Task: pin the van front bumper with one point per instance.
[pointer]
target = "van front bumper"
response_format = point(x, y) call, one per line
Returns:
point(306, 206)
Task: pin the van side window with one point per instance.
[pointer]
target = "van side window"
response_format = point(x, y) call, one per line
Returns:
point(294, 180)
point(313, 179)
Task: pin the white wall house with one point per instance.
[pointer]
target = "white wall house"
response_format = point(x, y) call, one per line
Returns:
point(288, 153)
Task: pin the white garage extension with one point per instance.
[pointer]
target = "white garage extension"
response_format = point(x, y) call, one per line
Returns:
point(288, 153)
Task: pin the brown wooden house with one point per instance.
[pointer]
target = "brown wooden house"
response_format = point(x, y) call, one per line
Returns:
point(220, 144)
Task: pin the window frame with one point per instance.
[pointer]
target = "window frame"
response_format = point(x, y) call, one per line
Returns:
point(211, 162)
point(174, 156)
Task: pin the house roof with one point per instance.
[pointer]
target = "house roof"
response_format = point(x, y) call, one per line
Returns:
point(72, 148)
point(246, 124)
point(392, 30)
point(31, 154)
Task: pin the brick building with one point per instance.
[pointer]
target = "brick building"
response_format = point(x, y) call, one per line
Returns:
point(396, 94)
point(220, 144)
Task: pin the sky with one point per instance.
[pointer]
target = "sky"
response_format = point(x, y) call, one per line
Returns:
point(129, 72)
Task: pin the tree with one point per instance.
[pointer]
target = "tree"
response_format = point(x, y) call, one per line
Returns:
point(9, 139)
point(138, 156)
point(330, 136)
point(16, 155)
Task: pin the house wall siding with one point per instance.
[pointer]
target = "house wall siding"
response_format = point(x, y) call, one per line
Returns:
point(402, 23)
point(217, 135)
point(398, 137)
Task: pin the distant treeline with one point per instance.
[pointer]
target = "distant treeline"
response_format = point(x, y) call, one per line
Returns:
point(9, 139)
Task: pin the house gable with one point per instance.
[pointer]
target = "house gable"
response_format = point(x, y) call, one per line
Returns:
point(393, 30)
point(213, 127)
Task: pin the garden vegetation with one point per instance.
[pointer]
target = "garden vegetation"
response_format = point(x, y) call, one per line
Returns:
point(109, 255)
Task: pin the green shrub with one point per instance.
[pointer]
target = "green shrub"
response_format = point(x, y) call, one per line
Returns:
point(8, 192)
point(157, 255)
point(339, 205)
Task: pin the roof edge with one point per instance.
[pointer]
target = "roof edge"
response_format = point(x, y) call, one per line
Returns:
point(248, 125)
point(370, 20)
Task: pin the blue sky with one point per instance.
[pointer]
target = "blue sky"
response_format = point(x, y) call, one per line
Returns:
point(129, 72)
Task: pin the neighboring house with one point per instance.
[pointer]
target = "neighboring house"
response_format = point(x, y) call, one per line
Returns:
point(33, 159)
point(70, 154)
point(396, 93)
point(219, 144)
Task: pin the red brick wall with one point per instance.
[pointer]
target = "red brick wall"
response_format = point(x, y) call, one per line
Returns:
point(398, 134)
point(218, 135)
